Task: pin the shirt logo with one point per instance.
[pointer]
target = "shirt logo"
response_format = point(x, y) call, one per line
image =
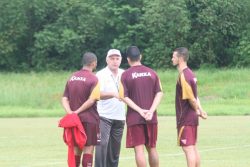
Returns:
point(184, 141)
point(142, 74)
point(74, 78)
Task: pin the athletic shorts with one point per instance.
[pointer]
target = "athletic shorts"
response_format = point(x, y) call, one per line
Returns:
point(187, 135)
point(145, 134)
point(93, 133)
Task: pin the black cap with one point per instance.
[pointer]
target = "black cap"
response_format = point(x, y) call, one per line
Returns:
point(133, 52)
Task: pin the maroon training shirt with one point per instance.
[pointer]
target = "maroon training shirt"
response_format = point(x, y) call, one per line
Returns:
point(186, 89)
point(140, 84)
point(81, 86)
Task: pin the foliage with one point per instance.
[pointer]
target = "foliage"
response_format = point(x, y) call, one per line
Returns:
point(53, 34)
point(124, 22)
point(167, 26)
point(242, 57)
point(13, 30)
point(60, 44)
point(215, 30)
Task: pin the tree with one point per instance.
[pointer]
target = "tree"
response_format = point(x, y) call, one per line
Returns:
point(61, 43)
point(12, 32)
point(214, 32)
point(167, 25)
point(123, 22)
point(52, 34)
point(242, 52)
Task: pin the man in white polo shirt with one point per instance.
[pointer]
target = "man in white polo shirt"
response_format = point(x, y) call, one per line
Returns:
point(111, 111)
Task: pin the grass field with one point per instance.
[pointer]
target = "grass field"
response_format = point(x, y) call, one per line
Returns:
point(224, 141)
point(222, 92)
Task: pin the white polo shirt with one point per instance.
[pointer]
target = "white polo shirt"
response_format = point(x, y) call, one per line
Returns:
point(111, 108)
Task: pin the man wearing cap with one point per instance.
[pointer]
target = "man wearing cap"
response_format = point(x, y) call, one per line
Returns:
point(143, 93)
point(111, 110)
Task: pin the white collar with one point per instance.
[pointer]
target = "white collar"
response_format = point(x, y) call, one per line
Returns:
point(110, 72)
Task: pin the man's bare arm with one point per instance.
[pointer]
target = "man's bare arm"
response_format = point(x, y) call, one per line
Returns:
point(65, 104)
point(134, 106)
point(154, 105)
point(109, 95)
point(196, 105)
point(85, 106)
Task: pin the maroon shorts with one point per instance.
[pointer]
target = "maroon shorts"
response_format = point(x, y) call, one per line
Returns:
point(187, 135)
point(142, 134)
point(93, 133)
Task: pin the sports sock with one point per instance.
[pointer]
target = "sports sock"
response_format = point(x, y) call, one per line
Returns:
point(78, 160)
point(87, 160)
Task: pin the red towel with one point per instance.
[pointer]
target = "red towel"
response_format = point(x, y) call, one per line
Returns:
point(73, 135)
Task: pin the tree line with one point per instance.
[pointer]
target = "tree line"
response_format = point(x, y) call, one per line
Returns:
point(53, 34)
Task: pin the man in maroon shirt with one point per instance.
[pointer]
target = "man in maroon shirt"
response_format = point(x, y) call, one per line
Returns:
point(188, 107)
point(80, 95)
point(142, 94)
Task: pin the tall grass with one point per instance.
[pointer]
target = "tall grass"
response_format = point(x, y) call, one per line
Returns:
point(31, 94)
point(36, 90)
point(222, 92)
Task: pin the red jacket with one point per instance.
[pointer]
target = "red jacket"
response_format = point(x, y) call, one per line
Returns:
point(73, 135)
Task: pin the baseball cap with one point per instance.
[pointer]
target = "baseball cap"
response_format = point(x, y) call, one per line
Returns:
point(133, 52)
point(114, 52)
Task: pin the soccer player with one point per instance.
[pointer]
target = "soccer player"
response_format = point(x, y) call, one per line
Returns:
point(80, 95)
point(111, 110)
point(188, 107)
point(142, 93)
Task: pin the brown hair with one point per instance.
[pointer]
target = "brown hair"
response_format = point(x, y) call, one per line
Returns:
point(182, 52)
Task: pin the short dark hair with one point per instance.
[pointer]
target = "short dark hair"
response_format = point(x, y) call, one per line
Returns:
point(88, 58)
point(182, 52)
point(133, 53)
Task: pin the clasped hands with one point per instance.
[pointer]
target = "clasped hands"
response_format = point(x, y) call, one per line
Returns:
point(146, 114)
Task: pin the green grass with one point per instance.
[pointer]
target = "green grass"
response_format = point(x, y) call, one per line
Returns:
point(223, 141)
point(222, 92)
point(20, 111)
point(34, 90)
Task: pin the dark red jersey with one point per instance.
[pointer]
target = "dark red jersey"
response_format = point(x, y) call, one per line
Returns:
point(140, 84)
point(81, 86)
point(186, 89)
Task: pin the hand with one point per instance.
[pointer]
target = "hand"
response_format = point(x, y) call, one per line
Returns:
point(149, 115)
point(143, 113)
point(76, 111)
point(202, 114)
point(70, 112)
point(116, 95)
